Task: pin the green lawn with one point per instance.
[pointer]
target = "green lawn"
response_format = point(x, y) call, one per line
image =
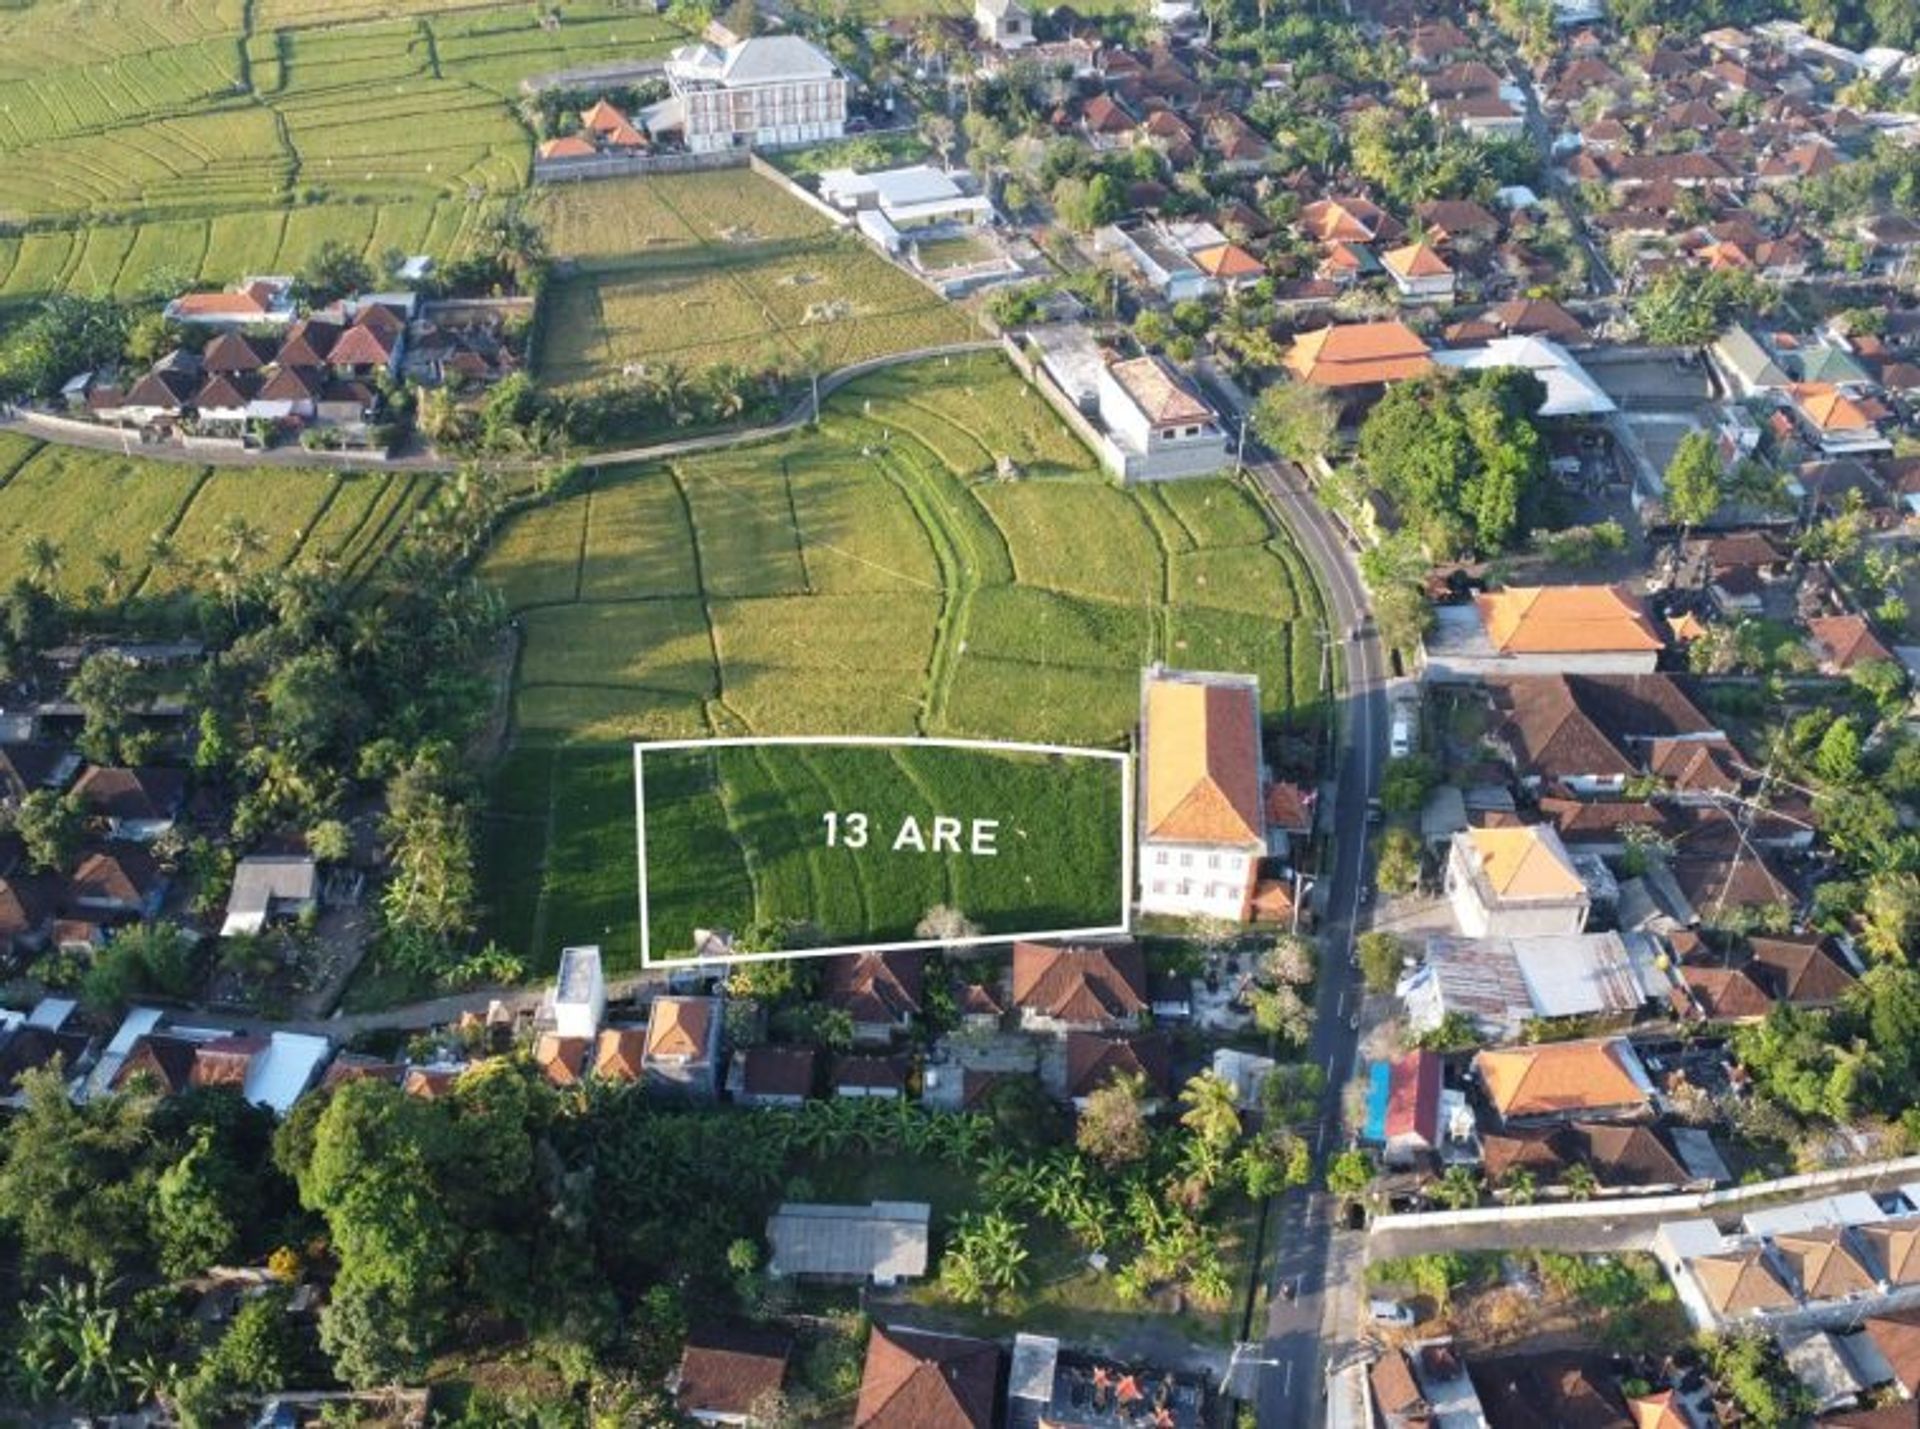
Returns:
point(870, 578)
point(845, 837)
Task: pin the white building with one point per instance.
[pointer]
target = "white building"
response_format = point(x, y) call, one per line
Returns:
point(1515, 883)
point(1202, 825)
point(1165, 430)
point(266, 887)
point(579, 993)
point(1007, 24)
point(1571, 391)
point(759, 93)
point(894, 204)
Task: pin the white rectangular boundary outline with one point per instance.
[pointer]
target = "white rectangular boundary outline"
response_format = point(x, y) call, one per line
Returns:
point(1002, 746)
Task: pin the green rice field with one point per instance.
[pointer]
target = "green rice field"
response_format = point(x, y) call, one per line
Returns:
point(690, 270)
point(874, 577)
point(202, 140)
point(851, 839)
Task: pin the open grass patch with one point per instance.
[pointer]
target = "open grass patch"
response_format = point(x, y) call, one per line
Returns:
point(844, 837)
point(660, 645)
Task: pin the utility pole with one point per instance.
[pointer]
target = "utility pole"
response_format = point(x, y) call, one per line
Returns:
point(1240, 452)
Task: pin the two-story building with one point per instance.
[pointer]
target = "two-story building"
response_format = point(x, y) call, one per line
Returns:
point(762, 92)
point(1160, 424)
point(1202, 820)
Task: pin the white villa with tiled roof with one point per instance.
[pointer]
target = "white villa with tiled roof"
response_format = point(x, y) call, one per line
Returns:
point(1159, 423)
point(762, 92)
point(1202, 821)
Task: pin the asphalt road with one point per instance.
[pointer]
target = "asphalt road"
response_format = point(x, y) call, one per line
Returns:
point(1312, 1256)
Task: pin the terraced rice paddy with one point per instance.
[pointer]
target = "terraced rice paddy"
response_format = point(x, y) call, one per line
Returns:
point(208, 139)
point(125, 527)
point(872, 578)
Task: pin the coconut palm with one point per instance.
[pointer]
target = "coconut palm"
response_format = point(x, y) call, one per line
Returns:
point(113, 570)
point(1580, 1181)
point(1521, 1186)
point(1211, 1113)
point(42, 555)
point(1458, 1190)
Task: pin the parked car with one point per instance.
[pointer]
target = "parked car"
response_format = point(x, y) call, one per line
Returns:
point(1389, 1312)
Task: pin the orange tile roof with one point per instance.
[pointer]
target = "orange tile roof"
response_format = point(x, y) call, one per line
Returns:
point(1848, 639)
point(1355, 218)
point(1557, 1078)
point(200, 304)
point(562, 1060)
point(1094, 984)
point(571, 146)
point(1657, 1411)
point(603, 118)
point(618, 1053)
point(1824, 1264)
point(1830, 409)
point(1357, 354)
point(1228, 260)
point(1525, 862)
point(1202, 758)
point(1897, 1248)
point(1416, 260)
point(679, 1027)
point(1566, 620)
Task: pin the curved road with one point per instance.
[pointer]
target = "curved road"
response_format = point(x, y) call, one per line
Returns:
point(1320, 1262)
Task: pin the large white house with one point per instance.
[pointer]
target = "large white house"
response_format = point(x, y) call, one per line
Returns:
point(759, 93)
point(1202, 822)
point(1163, 427)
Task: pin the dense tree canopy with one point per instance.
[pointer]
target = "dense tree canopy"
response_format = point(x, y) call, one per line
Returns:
point(1459, 454)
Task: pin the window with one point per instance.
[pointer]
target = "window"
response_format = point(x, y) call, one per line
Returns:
point(1213, 860)
point(1159, 885)
point(1160, 857)
point(1186, 860)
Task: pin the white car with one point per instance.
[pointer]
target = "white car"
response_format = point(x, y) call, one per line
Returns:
point(1389, 1312)
point(1400, 741)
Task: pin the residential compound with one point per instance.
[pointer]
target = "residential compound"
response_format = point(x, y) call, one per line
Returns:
point(764, 91)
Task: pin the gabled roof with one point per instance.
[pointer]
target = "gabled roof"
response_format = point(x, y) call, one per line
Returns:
point(308, 342)
point(1552, 736)
point(122, 873)
point(731, 1370)
point(875, 987)
point(145, 793)
point(160, 1058)
point(1538, 317)
point(1848, 640)
point(870, 1074)
point(1201, 762)
point(1566, 620)
point(1096, 983)
point(1896, 1248)
point(1453, 217)
point(1736, 1282)
point(1727, 994)
point(1288, 808)
point(618, 1053)
point(1413, 1096)
point(604, 118)
point(568, 146)
point(1633, 1155)
point(363, 345)
point(1830, 409)
point(1896, 1334)
point(1527, 862)
point(31, 1047)
point(1564, 1390)
point(1358, 354)
point(27, 902)
point(1743, 881)
point(1163, 399)
point(1416, 260)
point(562, 1060)
point(1093, 1061)
point(1824, 1263)
point(1351, 218)
point(915, 1380)
point(1228, 260)
point(1560, 1077)
point(227, 391)
point(225, 1061)
point(293, 384)
point(777, 1071)
point(680, 1027)
point(1394, 1388)
point(26, 767)
point(1659, 1411)
point(234, 352)
point(163, 390)
point(1803, 970)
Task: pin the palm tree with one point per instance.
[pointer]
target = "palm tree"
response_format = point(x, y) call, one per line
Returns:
point(43, 560)
point(160, 550)
point(1211, 1113)
point(1458, 1190)
point(1521, 1186)
point(113, 570)
point(245, 538)
point(1580, 1181)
